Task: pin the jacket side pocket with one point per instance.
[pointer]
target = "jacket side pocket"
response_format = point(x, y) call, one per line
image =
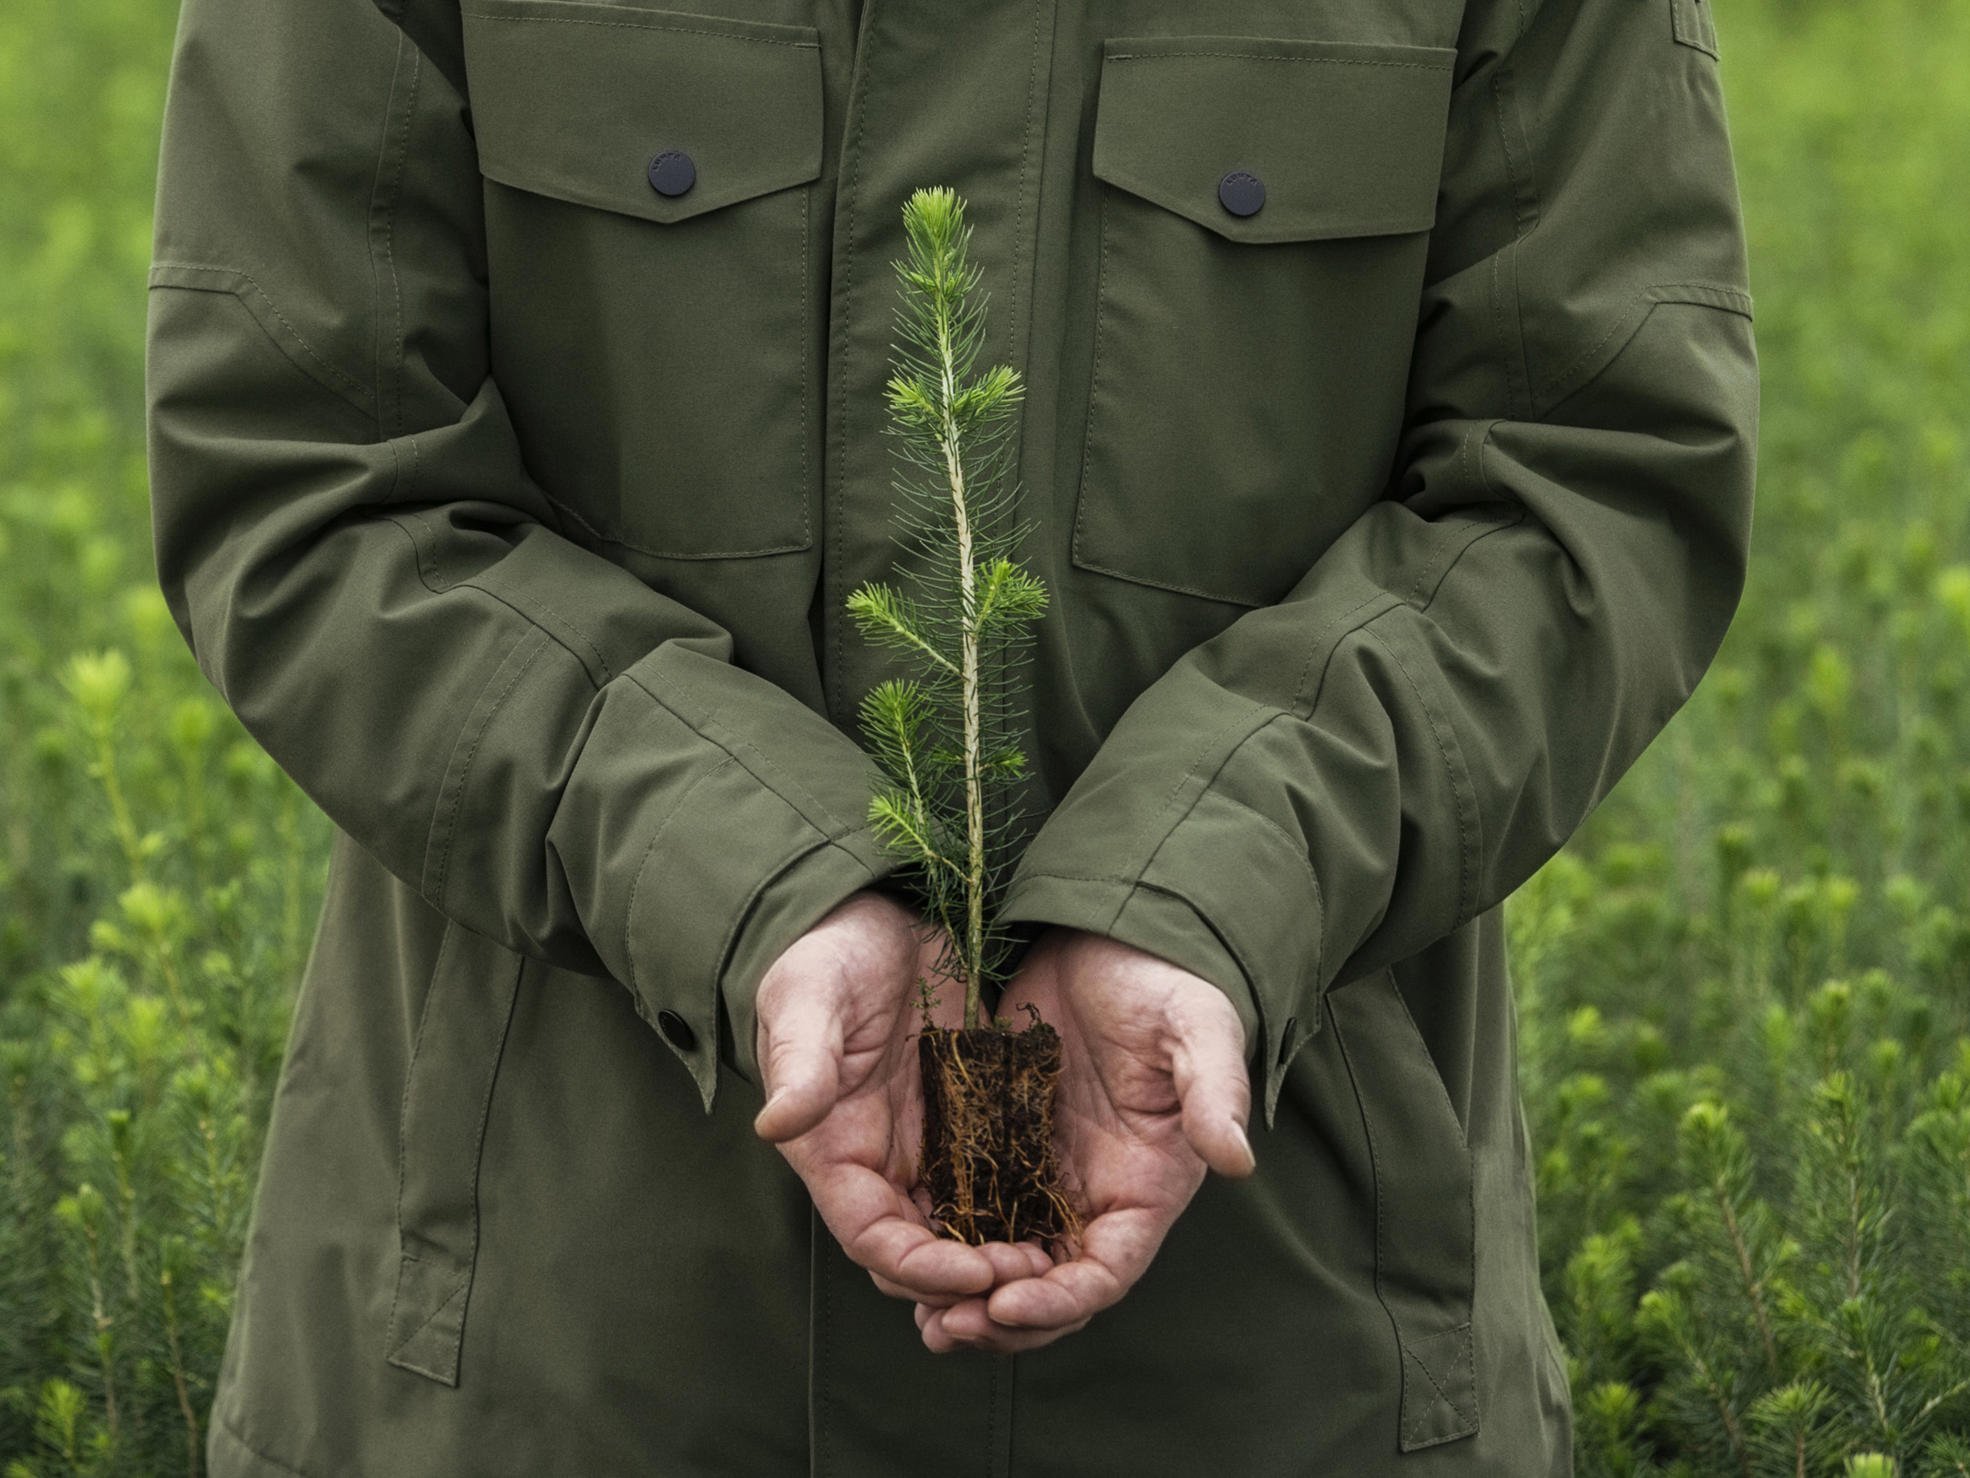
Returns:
point(447, 1096)
point(1425, 1242)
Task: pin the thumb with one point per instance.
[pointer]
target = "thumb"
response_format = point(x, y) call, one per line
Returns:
point(1207, 1068)
point(801, 1061)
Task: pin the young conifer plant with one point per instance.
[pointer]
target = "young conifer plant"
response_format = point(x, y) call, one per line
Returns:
point(946, 736)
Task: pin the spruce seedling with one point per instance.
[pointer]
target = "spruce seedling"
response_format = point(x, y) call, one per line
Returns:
point(946, 736)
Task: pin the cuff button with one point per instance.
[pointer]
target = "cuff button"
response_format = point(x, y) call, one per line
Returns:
point(676, 1031)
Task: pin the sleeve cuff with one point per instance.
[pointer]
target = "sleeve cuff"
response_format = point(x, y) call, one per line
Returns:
point(792, 903)
point(707, 920)
point(1225, 895)
point(1160, 924)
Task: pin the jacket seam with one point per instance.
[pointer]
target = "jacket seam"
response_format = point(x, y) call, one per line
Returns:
point(643, 864)
point(722, 961)
point(713, 731)
point(598, 536)
point(459, 1280)
point(1517, 395)
point(227, 1425)
point(1413, 1432)
point(449, 830)
point(1736, 299)
point(1516, 145)
point(1094, 381)
point(834, 827)
point(1258, 716)
point(533, 628)
point(1019, 246)
point(345, 385)
point(1632, 312)
point(1248, 960)
point(514, 603)
point(1157, 583)
point(1520, 172)
point(1420, 1047)
point(1268, 56)
point(1381, 1214)
point(1432, 562)
point(840, 345)
point(1303, 698)
point(1469, 844)
point(519, 604)
point(1593, 361)
point(675, 30)
point(593, 535)
point(1131, 887)
point(467, 1273)
point(403, 1108)
point(394, 381)
point(807, 483)
point(1403, 1345)
point(1296, 847)
point(829, 825)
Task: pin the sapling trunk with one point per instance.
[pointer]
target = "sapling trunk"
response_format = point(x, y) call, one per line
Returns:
point(946, 737)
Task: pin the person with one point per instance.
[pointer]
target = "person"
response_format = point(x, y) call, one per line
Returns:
point(515, 390)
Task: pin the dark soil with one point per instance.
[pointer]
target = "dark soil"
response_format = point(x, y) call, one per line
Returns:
point(988, 1159)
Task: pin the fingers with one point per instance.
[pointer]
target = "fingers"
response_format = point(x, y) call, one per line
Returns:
point(882, 1232)
point(921, 1300)
point(800, 1061)
point(918, 1264)
point(1116, 1249)
point(1009, 1262)
point(950, 1329)
point(1207, 1069)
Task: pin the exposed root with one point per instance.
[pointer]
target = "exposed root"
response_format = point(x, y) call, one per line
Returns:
point(988, 1158)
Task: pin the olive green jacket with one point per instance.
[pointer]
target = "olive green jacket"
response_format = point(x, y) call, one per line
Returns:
point(515, 392)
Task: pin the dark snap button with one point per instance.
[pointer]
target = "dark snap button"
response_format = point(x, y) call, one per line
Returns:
point(672, 172)
point(677, 1031)
point(1241, 192)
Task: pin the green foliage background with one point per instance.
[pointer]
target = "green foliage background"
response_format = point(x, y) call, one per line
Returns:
point(1744, 989)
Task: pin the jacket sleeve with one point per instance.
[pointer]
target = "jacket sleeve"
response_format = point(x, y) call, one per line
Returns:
point(1332, 783)
point(549, 751)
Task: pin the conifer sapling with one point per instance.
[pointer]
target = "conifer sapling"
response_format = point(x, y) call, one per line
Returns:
point(946, 737)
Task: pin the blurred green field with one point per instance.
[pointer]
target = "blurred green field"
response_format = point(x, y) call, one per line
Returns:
point(1744, 989)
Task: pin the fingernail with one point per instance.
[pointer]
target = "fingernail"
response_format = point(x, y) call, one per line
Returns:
point(1250, 1157)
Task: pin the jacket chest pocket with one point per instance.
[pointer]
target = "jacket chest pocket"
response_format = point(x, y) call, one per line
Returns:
point(652, 263)
point(1264, 215)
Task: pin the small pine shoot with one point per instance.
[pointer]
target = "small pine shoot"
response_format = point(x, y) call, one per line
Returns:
point(961, 616)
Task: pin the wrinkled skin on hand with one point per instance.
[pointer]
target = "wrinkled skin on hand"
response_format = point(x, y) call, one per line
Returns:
point(1154, 1092)
point(837, 1018)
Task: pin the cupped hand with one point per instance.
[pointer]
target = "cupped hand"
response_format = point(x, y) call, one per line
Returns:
point(1153, 1092)
point(837, 1020)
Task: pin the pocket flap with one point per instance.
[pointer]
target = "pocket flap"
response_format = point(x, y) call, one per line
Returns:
point(576, 100)
point(1342, 138)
